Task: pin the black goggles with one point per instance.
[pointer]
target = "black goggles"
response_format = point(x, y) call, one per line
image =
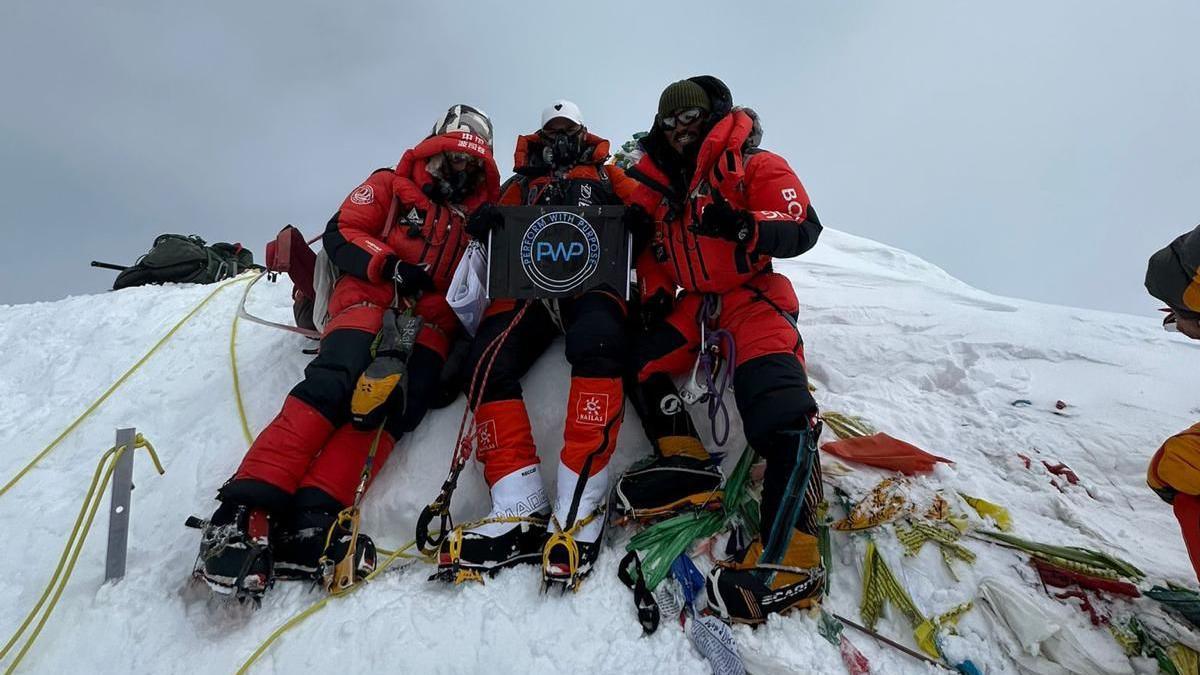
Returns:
point(552, 132)
point(682, 117)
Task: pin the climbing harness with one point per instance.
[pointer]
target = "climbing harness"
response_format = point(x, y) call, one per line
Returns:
point(715, 364)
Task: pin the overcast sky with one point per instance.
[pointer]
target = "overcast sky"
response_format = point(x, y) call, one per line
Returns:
point(1036, 149)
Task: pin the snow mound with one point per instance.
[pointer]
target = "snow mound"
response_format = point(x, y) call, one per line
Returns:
point(889, 337)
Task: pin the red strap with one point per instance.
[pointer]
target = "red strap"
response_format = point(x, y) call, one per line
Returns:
point(1187, 512)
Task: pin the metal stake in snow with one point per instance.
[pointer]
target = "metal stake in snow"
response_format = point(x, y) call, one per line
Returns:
point(118, 511)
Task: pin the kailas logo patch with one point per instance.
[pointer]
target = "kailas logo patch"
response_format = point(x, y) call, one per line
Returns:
point(592, 409)
point(364, 194)
point(485, 436)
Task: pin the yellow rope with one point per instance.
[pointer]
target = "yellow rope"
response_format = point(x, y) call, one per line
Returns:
point(320, 604)
point(455, 540)
point(237, 386)
point(70, 555)
point(392, 556)
point(103, 397)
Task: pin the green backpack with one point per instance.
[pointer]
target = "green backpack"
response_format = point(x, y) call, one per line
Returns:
point(185, 259)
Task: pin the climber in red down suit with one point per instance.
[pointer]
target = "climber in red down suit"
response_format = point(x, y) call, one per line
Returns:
point(277, 512)
point(718, 209)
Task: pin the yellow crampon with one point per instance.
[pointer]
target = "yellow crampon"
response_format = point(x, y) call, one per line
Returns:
point(454, 543)
point(339, 575)
point(461, 575)
point(566, 539)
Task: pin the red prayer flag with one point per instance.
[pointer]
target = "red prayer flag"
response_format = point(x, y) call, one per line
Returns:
point(884, 452)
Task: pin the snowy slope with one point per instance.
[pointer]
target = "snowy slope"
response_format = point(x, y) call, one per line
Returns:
point(889, 337)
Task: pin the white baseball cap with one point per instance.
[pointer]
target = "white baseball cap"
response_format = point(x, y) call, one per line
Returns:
point(564, 109)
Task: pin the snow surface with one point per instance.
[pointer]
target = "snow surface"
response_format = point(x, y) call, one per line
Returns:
point(889, 337)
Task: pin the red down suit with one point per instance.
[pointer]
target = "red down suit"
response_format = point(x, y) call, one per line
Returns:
point(311, 442)
point(732, 282)
point(593, 325)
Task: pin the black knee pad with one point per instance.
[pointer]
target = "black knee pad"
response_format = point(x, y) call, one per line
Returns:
point(254, 493)
point(772, 396)
point(315, 499)
point(330, 378)
point(596, 342)
point(424, 377)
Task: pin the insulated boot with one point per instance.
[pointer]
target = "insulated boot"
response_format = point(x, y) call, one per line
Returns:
point(681, 477)
point(235, 552)
point(747, 590)
point(514, 532)
point(576, 528)
point(782, 569)
point(316, 535)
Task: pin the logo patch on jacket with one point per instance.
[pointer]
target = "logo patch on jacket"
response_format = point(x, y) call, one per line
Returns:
point(592, 409)
point(363, 194)
point(485, 437)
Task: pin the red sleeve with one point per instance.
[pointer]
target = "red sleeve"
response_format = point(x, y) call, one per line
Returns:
point(353, 237)
point(786, 225)
point(623, 186)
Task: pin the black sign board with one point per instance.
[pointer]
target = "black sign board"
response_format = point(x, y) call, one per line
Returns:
point(557, 251)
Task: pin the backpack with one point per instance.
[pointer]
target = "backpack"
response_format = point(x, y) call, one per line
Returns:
point(312, 273)
point(175, 258)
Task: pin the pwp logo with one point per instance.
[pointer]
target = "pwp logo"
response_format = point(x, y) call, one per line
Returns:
point(363, 194)
point(560, 251)
point(592, 409)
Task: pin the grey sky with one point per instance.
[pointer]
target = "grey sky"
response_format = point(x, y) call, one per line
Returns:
point(1034, 149)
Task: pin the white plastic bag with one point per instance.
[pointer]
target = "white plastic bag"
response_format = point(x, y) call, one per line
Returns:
point(467, 294)
point(325, 277)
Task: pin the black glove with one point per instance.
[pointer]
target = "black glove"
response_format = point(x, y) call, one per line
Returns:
point(637, 222)
point(655, 309)
point(722, 220)
point(484, 220)
point(636, 219)
point(410, 279)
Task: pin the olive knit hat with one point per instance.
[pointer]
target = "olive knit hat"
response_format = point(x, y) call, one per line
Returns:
point(683, 94)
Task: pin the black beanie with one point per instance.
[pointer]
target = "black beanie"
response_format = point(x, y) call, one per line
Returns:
point(683, 94)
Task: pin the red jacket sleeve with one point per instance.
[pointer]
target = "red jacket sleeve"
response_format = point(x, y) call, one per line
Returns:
point(652, 276)
point(786, 224)
point(353, 238)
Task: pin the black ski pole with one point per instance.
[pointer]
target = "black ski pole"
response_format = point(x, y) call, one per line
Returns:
point(109, 266)
point(892, 643)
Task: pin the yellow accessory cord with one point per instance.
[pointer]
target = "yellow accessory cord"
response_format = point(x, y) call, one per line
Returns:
point(70, 555)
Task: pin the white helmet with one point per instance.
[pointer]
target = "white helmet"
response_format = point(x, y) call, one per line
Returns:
point(463, 117)
point(564, 109)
